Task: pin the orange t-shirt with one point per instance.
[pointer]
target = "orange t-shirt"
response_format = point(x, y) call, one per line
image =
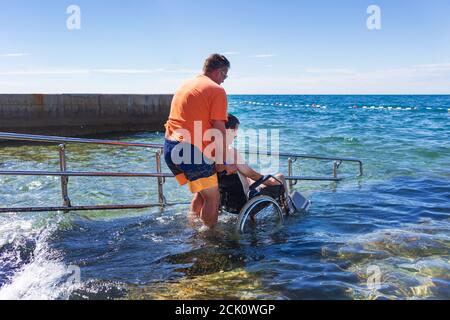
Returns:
point(199, 101)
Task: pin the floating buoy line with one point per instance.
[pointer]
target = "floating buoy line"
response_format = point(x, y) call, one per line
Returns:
point(354, 107)
point(279, 104)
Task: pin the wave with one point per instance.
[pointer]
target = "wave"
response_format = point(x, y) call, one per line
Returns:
point(31, 269)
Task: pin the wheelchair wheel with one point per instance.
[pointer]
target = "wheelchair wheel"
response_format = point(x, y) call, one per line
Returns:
point(261, 212)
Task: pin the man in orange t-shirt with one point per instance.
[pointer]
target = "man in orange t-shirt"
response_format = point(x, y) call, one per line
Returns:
point(195, 143)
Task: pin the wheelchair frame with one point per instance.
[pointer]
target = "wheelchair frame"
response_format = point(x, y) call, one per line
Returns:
point(256, 200)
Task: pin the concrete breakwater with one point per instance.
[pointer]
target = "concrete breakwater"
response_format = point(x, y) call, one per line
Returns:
point(82, 114)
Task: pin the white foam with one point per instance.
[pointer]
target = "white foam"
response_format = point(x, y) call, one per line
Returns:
point(12, 226)
point(36, 281)
point(164, 220)
point(154, 238)
point(42, 278)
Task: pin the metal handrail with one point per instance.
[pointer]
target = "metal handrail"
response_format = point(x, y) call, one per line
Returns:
point(55, 139)
point(85, 174)
point(306, 178)
point(313, 157)
point(80, 208)
point(64, 174)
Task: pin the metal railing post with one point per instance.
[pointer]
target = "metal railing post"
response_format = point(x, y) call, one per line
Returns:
point(161, 198)
point(361, 172)
point(336, 165)
point(290, 174)
point(64, 180)
point(335, 169)
point(292, 183)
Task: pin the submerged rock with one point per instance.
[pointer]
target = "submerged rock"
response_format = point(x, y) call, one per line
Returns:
point(237, 284)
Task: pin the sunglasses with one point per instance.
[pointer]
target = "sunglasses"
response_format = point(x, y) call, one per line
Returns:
point(224, 74)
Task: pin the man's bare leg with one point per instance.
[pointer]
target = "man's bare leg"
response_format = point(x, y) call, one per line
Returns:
point(210, 209)
point(196, 205)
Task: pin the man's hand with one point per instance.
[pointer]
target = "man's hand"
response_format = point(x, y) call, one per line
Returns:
point(272, 182)
point(229, 168)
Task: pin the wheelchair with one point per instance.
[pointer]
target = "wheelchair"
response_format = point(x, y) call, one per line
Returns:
point(256, 207)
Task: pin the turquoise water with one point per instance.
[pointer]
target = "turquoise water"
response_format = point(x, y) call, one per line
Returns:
point(392, 224)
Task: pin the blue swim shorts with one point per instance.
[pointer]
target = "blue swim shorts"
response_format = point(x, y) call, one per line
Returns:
point(190, 166)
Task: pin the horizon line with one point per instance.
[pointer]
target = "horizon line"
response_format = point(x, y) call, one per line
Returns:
point(244, 94)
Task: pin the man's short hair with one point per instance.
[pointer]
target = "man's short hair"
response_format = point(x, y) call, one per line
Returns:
point(232, 122)
point(214, 62)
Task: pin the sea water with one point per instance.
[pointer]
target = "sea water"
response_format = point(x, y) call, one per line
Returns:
point(385, 235)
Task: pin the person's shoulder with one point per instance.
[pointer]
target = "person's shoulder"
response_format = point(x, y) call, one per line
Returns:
point(192, 82)
point(202, 85)
point(193, 85)
point(210, 85)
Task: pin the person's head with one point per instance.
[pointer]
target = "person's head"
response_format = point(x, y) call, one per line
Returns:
point(232, 126)
point(216, 68)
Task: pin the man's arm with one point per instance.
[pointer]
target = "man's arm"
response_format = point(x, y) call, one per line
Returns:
point(242, 167)
point(248, 172)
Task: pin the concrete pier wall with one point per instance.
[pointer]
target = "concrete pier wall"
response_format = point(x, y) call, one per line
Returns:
point(79, 114)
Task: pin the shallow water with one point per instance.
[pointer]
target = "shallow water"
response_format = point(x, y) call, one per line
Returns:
point(385, 235)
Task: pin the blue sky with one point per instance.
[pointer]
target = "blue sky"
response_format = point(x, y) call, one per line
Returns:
point(275, 46)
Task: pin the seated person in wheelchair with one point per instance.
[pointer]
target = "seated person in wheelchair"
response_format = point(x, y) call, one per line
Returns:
point(237, 189)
